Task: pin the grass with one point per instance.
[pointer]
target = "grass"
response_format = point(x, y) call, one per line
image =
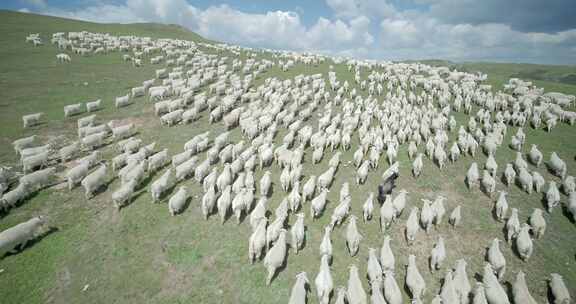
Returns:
point(142, 254)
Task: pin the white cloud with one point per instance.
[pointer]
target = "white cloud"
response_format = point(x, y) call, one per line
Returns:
point(35, 3)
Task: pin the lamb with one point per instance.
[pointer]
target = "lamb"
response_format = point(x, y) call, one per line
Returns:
point(387, 259)
point(353, 237)
point(177, 202)
point(414, 280)
point(323, 281)
point(161, 185)
point(31, 120)
point(412, 226)
point(326, 244)
point(537, 222)
point(17, 236)
point(392, 291)
point(495, 293)
point(257, 241)
point(275, 256)
point(368, 207)
point(524, 243)
point(73, 109)
point(460, 281)
point(512, 225)
point(224, 202)
point(455, 217)
point(501, 206)
point(556, 165)
point(38, 180)
point(298, 294)
point(94, 181)
point(417, 165)
point(297, 232)
point(438, 254)
point(472, 176)
point(318, 204)
point(552, 196)
point(356, 293)
point(558, 289)
point(488, 183)
point(123, 195)
point(496, 259)
point(535, 156)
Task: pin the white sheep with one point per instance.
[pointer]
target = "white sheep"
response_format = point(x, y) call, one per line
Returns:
point(123, 101)
point(512, 225)
point(186, 169)
point(39, 179)
point(31, 120)
point(326, 243)
point(525, 180)
point(496, 259)
point(417, 165)
point(23, 143)
point(535, 156)
point(387, 260)
point(340, 211)
point(572, 205)
point(472, 176)
point(373, 268)
point(355, 293)
point(224, 202)
point(438, 254)
point(414, 280)
point(495, 293)
point(93, 106)
point(399, 202)
point(297, 232)
point(323, 281)
point(17, 236)
point(569, 184)
point(448, 292)
point(158, 160)
point(309, 188)
point(412, 226)
point(455, 217)
point(552, 196)
point(298, 293)
point(524, 242)
point(558, 289)
point(275, 256)
point(368, 207)
point(461, 282)
point(161, 185)
point(257, 241)
point(479, 294)
point(426, 215)
point(73, 109)
point(94, 181)
point(34, 161)
point(488, 183)
point(520, 292)
point(318, 204)
point(556, 165)
point(177, 202)
point(537, 223)
point(123, 195)
point(392, 292)
point(538, 181)
point(509, 174)
point(325, 179)
point(501, 206)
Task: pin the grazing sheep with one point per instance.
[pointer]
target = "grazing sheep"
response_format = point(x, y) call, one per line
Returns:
point(17, 236)
point(275, 256)
point(123, 195)
point(438, 254)
point(297, 232)
point(537, 222)
point(512, 225)
point(495, 293)
point(455, 217)
point(94, 181)
point(323, 281)
point(387, 260)
point(353, 237)
point(326, 244)
point(414, 280)
point(496, 259)
point(356, 293)
point(412, 226)
point(524, 242)
point(552, 196)
point(298, 293)
point(392, 292)
point(558, 289)
point(520, 292)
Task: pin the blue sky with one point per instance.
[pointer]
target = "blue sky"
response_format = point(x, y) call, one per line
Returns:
point(535, 31)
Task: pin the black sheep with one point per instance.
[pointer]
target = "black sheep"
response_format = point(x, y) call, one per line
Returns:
point(386, 187)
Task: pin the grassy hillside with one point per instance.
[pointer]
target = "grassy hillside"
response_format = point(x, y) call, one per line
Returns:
point(143, 255)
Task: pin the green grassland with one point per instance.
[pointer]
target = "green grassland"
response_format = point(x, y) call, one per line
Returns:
point(143, 255)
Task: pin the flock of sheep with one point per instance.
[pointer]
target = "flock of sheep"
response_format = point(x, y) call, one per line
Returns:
point(395, 105)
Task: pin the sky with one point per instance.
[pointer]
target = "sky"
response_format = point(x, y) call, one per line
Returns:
point(532, 31)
